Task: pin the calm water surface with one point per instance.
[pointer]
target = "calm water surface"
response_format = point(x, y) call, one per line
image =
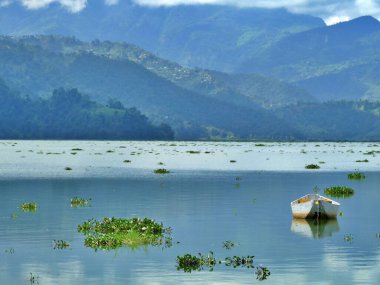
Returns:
point(204, 209)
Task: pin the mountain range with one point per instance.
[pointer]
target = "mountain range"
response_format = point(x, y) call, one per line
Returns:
point(210, 72)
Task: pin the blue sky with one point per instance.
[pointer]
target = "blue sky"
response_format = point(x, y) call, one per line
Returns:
point(331, 11)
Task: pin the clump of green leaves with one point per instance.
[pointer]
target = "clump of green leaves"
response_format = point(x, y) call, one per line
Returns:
point(68, 168)
point(79, 202)
point(356, 176)
point(193, 151)
point(237, 261)
point(262, 273)
point(33, 279)
point(339, 191)
point(364, 160)
point(189, 263)
point(29, 207)
point(61, 244)
point(230, 244)
point(112, 233)
point(312, 166)
point(161, 171)
point(348, 238)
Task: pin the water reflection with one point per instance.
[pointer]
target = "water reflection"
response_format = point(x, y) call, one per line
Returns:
point(315, 228)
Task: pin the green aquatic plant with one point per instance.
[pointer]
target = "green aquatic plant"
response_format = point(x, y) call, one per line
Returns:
point(9, 251)
point(33, 279)
point(348, 238)
point(68, 168)
point(193, 151)
point(161, 171)
point(60, 244)
point(232, 161)
point(237, 261)
point(312, 166)
point(260, 144)
point(364, 160)
point(339, 191)
point(79, 202)
point(230, 244)
point(127, 161)
point(356, 176)
point(29, 207)
point(112, 233)
point(262, 273)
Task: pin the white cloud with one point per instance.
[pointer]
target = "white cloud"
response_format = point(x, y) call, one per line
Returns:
point(332, 11)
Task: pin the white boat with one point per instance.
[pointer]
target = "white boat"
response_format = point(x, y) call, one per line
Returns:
point(314, 206)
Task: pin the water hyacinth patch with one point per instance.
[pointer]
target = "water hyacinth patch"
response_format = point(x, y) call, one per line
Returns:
point(79, 202)
point(339, 191)
point(312, 166)
point(356, 176)
point(161, 171)
point(29, 207)
point(112, 233)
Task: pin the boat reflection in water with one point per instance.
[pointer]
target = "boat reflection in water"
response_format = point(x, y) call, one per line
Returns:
point(313, 228)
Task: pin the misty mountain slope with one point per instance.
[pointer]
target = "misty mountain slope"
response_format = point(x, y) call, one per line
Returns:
point(34, 70)
point(207, 36)
point(243, 90)
point(331, 63)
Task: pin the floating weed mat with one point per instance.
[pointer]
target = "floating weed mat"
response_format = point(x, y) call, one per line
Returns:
point(312, 166)
point(188, 263)
point(356, 176)
point(113, 233)
point(28, 207)
point(161, 171)
point(339, 191)
point(60, 244)
point(230, 244)
point(80, 202)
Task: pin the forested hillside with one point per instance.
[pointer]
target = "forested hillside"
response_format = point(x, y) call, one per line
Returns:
point(68, 114)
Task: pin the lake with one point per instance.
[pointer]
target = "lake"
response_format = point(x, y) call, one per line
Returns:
point(201, 199)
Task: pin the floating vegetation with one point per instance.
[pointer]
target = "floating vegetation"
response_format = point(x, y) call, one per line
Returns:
point(14, 216)
point(378, 235)
point(29, 207)
point(348, 238)
point(260, 144)
point(127, 161)
point(341, 214)
point(110, 151)
point(372, 152)
point(68, 168)
point(237, 178)
point(193, 151)
point(76, 149)
point(79, 202)
point(189, 262)
point(232, 161)
point(230, 244)
point(9, 251)
point(356, 176)
point(112, 233)
point(339, 191)
point(200, 262)
point(262, 273)
point(60, 244)
point(160, 163)
point(312, 166)
point(33, 279)
point(161, 171)
point(364, 160)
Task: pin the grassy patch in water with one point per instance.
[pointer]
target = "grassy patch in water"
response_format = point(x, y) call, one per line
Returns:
point(79, 202)
point(61, 244)
point(28, 207)
point(312, 166)
point(356, 176)
point(339, 191)
point(200, 262)
point(112, 233)
point(161, 171)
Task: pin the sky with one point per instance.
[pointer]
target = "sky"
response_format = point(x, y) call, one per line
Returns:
point(332, 11)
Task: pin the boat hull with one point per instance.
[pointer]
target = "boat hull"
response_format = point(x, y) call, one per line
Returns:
point(315, 209)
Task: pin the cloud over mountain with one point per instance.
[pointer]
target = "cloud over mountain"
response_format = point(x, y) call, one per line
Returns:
point(331, 11)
